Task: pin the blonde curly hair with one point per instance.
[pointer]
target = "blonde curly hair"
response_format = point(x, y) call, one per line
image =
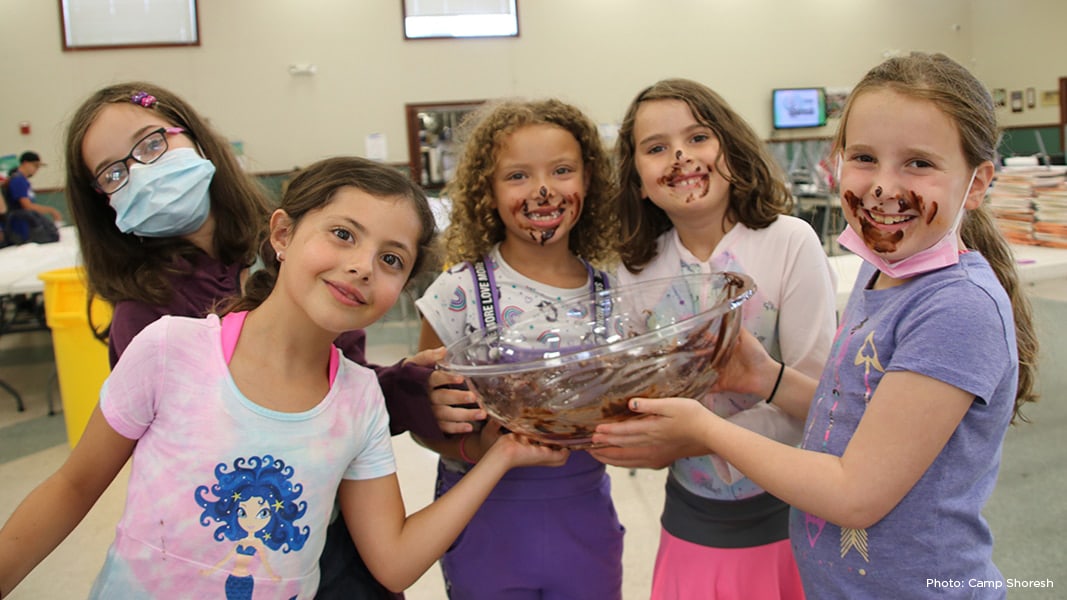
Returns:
point(475, 224)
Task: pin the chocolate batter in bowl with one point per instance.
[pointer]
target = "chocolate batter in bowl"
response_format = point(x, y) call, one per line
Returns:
point(561, 370)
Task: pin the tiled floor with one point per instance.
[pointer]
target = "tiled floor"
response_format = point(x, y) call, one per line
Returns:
point(1027, 512)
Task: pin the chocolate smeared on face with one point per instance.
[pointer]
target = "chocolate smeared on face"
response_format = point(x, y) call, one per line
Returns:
point(911, 201)
point(933, 212)
point(854, 203)
point(573, 201)
point(669, 180)
point(883, 242)
point(546, 198)
point(914, 201)
point(878, 192)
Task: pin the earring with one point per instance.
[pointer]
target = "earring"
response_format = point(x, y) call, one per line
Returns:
point(280, 256)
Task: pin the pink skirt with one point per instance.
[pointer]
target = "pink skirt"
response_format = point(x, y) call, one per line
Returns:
point(688, 571)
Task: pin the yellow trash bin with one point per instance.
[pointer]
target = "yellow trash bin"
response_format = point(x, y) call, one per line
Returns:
point(81, 359)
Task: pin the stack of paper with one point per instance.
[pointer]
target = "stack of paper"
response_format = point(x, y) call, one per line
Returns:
point(1013, 199)
point(1050, 215)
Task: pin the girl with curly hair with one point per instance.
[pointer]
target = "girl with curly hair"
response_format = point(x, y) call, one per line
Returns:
point(530, 215)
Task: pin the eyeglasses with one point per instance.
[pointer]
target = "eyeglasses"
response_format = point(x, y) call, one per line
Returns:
point(146, 151)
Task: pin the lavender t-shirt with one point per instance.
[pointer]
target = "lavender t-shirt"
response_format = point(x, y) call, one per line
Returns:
point(954, 325)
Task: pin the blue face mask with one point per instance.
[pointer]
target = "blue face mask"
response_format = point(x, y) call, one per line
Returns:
point(166, 198)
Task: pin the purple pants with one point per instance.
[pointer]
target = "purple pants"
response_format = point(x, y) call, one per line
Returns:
point(554, 537)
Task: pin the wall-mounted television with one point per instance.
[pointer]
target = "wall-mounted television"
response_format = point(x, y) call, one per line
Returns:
point(795, 108)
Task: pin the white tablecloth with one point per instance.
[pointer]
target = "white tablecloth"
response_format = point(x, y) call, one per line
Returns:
point(20, 265)
point(1035, 264)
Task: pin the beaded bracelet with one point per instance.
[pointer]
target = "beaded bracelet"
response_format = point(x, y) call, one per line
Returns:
point(769, 398)
point(463, 450)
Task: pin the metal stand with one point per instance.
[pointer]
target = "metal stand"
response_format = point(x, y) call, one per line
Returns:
point(18, 397)
point(53, 383)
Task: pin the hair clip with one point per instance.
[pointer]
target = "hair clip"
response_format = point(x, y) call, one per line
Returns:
point(144, 99)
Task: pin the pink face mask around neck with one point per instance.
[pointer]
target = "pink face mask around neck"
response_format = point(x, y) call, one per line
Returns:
point(942, 254)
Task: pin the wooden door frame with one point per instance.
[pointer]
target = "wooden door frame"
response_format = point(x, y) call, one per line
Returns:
point(1063, 113)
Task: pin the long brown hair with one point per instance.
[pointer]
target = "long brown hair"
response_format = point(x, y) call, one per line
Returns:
point(960, 96)
point(313, 188)
point(122, 266)
point(475, 224)
point(758, 193)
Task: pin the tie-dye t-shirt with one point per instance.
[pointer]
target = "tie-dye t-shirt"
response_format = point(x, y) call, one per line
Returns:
point(226, 496)
point(954, 325)
point(791, 313)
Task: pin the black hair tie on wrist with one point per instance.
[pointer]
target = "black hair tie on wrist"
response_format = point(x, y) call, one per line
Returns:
point(777, 382)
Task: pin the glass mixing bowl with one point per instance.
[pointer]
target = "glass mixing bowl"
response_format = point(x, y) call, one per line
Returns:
point(562, 369)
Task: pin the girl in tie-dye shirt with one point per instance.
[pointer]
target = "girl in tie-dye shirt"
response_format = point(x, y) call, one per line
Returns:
point(243, 429)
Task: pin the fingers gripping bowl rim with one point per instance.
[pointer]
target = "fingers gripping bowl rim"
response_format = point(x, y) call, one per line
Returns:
point(560, 370)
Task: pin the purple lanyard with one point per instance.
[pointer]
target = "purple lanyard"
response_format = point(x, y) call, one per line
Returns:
point(486, 291)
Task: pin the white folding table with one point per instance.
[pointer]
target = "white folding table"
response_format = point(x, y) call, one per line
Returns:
point(1034, 263)
point(19, 269)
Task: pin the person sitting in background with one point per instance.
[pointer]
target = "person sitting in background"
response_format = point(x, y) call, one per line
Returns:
point(26, 220)
point(20, 193)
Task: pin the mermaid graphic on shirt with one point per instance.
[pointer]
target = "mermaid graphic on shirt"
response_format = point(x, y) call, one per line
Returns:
point(256, 506)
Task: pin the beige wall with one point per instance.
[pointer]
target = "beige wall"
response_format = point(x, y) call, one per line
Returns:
point(594, 53)
point(1017, 45)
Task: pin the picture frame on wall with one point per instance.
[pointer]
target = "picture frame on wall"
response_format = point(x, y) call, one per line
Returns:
point(1000, 97)
point(105, 24)
point(1031, 97)
point(836, 97)
point(1016, 101)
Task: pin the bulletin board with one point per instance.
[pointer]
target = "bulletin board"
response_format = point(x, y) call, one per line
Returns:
point(1022, 141)
point(100, 24)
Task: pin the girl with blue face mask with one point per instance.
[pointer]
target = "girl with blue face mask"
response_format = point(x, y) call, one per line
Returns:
point(169, 224)
point(163, 193)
